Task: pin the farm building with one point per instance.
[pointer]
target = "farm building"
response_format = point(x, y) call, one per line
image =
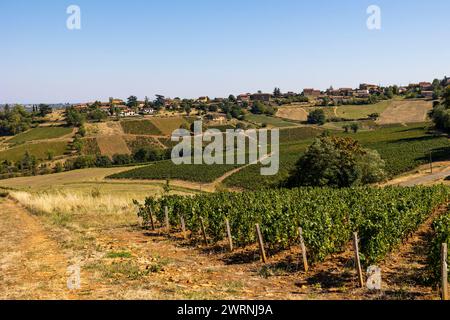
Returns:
point(309, 92)
point(263, 97)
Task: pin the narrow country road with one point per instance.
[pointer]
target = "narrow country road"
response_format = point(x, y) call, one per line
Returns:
point(441, 170)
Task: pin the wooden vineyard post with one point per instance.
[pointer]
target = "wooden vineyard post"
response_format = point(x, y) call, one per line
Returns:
point(151, 220)
point(431, 162)
point(357, 260)
point(444, 271)
point(230, 239)
point(183, 226)
point(303, 247)
point(205, 238)
point(166, 213)
point(261, 244)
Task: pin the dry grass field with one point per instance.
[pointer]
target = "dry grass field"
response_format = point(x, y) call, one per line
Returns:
point(110, 128)
point(292, 113)
point(111, 145)
point(406, 111)
point(90, 181)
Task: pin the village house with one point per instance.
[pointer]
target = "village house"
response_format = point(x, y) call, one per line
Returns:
point(310, 92)
point(128, 113)
point(147, 111)
point(80, 107)
point(289, 94)
point(117, 101)
point(427, 94)
point(262, 97)
point(244, 97)
point(366, 86)
point(346, 92)
point(216, 117)
point(402, 90)
point(362, 93)
point(203, 100)
point(425, 86)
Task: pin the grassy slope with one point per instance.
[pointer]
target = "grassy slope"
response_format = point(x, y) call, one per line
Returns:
point(41, 133)
point(86, 181)
point(140, 127)
point(168, 125)
point(271, 121)
point(361, 112)
point(39, 150)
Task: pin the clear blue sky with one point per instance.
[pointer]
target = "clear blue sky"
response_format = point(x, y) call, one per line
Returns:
point(189, 48)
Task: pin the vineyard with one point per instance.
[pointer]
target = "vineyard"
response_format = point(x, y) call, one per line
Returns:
point(140, 127)
point(441, 228)
point(414, 143)
point(167, 170)
point(383, 217)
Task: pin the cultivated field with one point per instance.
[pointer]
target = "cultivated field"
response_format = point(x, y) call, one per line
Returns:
point(86, 182)
point(167, 125)
point(292, 113)
point(407, 111)
point(41, 133)
point(269, 121)
point(111, 145)
point(39, 150)
point(140, 127)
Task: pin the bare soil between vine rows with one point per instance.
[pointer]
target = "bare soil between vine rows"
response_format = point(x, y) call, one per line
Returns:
point(127, 262)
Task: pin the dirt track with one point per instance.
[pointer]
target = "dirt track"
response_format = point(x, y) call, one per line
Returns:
point(31, 264)
point(423, 176)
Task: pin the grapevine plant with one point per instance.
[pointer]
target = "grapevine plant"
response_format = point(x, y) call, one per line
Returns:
point(383, 217)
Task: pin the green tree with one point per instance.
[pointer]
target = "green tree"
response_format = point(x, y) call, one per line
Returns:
point(232, 98)
point(75, 118)
point(317, 117)
point(355, 127)
point(103, 162)
point(337, 162)
point(258, 108)
point(441, 112)
point(97, 115)
point(44, 109)
point(132, 102)
point(277, 93)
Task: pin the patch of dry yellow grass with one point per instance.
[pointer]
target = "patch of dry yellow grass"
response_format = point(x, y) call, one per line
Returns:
point(88, 210)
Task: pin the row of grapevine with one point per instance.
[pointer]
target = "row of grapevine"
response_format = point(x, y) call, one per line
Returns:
point(383, 217)
point(441, 228)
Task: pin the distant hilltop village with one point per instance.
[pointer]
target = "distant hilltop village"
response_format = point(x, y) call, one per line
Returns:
point(364, 94)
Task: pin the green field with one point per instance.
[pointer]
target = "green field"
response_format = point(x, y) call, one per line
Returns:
point(144, 127)
point(363, 111)
point(41, 133)
point(168, 125)
point(39, 150)
point(260, 119)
